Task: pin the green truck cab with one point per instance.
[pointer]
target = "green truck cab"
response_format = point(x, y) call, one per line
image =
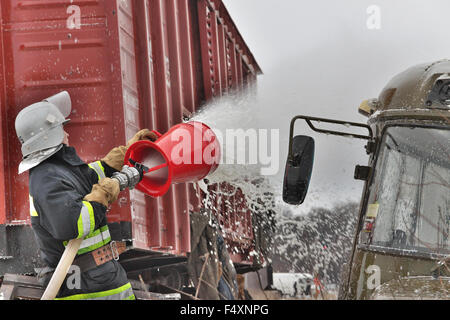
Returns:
point(401, 245)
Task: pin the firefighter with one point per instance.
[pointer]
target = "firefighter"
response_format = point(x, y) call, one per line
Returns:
point(69, 200)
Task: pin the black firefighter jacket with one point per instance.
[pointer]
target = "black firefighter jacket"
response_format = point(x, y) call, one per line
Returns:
point(59, 214)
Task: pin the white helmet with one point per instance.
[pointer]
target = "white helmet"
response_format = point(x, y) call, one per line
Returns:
point(39, 126)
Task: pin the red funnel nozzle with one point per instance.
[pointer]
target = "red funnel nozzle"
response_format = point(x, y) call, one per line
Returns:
point(188, 152)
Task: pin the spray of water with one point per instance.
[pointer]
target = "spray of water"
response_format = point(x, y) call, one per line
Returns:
point(232, 112)
point(283, 93)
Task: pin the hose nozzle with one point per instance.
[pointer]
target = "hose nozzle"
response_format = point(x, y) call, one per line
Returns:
point(129, 177)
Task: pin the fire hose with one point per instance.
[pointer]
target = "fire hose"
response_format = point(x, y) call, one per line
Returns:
point(127, 178)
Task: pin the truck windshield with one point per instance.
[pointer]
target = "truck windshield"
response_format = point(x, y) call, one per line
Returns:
point(409, 201)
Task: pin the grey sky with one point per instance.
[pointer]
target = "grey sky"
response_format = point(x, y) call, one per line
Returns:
point(319, 58)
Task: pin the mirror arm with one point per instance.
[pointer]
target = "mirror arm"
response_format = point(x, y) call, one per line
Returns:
point(310, 124)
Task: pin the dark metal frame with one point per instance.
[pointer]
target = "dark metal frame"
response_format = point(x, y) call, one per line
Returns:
point(337, 133)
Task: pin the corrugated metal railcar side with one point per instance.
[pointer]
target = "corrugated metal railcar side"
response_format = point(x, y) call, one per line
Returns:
point(127, 65)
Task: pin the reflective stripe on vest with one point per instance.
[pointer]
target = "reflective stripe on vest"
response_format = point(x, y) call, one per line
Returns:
point(86, 221)
point(94, 240)
point(99, 238)
point(33, 211)
point(124, 292)
point(98, 168)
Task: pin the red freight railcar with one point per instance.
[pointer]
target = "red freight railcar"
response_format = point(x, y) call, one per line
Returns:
point(127, 65)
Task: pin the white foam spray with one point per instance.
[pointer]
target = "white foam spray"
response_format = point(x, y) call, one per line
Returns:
point(232, 112)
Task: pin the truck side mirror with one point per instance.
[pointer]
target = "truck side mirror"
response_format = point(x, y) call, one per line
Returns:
point(298, 170)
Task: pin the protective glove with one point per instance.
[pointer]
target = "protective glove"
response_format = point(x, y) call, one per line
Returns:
point(105, 192)
point(144, 134)
point(115, 158)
